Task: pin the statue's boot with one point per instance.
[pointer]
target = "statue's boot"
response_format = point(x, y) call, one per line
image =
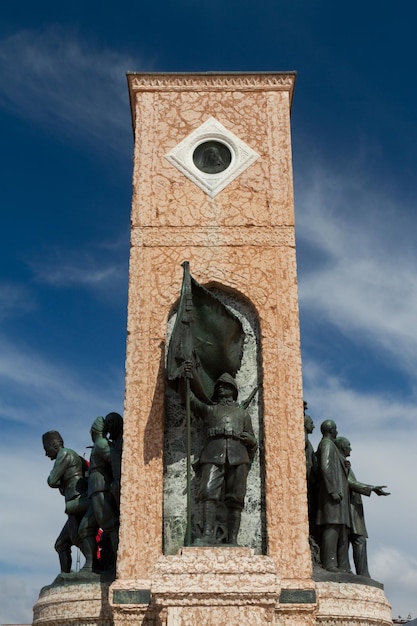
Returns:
point(89, 549)
point(65, 560)
point(233, 525)
point(209, 518)
point(114, 539)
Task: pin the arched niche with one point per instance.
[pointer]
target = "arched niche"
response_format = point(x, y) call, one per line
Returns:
point(252, 530)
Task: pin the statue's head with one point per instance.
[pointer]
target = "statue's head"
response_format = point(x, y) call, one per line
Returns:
point(97, 428)
point(344, 445)
point(329, 429)
point(52, 442)
point(308, 424)
point(225, 387)
point(113, 425)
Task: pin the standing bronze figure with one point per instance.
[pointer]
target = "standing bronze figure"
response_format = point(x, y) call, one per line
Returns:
point(333, 514)
point(103, 508)
point(225, 459)
point(69, 475)
point(357, 531)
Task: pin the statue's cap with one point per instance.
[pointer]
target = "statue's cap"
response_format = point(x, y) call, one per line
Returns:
point(51, 436)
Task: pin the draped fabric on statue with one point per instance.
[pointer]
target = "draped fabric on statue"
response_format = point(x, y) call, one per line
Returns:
point(206, 334)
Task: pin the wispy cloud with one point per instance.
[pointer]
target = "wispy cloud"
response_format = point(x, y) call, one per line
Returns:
point(17, 596)
point(359, 262)
point(99, 267)
point(38, 391)
point(398, 570)
point(87, 273)
point(70, 87)
point(360, 410)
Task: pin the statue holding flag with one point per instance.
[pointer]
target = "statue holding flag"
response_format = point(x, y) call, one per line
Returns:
point(205, 352)
point(225, 459)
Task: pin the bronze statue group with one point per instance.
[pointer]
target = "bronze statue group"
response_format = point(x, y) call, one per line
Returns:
point(92, 490)
point(335, 509)
point(92, 496)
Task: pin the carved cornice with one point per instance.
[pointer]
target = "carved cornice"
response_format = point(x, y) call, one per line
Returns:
point(216, 81)
point(208, 81)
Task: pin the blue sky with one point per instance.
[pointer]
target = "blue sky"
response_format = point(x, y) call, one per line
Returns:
point(65, 195)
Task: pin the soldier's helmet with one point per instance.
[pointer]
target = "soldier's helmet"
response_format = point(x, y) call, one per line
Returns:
point(227, 379)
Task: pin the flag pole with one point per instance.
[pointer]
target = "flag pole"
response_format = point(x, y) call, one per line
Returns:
point(188, 427)
point(188, 353)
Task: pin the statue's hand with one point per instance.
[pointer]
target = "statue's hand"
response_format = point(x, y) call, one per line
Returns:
point(380, 490)
point(336, 497)
point(247, 439)
point(188, 369)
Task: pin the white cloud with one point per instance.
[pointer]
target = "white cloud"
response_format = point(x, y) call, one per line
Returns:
point(360, 274)
point(398, 569)
point(87, 273)
point(70, 87)
point(331, 397)
point(17, 596)
point(34, 390)
point(31, 517)
point(97, 268)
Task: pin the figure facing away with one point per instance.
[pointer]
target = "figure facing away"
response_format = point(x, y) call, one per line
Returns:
point(113, 427)
point(311, 473)
point(225, 459)
point(103, 508)
point(69, 476)
point(357, 532)
point(333, 514)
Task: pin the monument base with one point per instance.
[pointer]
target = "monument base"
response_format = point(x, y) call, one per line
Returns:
point(208, 585)
point(347, 604)
point(73, 604)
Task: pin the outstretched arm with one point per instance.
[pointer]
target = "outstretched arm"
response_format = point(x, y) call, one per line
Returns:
point(379, 490)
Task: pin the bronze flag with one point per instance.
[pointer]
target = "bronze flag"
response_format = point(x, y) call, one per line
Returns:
point(207, 334)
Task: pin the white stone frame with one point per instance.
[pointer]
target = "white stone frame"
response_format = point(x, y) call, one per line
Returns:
point(181, 157)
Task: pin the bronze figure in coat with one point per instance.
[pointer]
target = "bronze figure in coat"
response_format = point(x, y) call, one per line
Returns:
point(333, 514)
point(357, 533)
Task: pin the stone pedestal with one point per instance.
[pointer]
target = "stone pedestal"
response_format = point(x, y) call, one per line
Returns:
point(211, 585)
point(347, 604)
point(83, 604)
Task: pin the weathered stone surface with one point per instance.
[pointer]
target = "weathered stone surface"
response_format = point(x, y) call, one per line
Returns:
point(343, 604)
point(241, 241)
point(84, 604)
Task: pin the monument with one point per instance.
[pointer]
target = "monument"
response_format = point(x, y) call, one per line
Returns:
point(212, 188)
